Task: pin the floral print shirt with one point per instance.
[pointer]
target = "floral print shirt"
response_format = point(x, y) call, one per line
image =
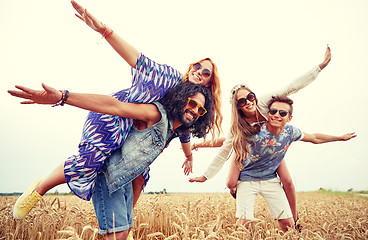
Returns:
point(266, 153)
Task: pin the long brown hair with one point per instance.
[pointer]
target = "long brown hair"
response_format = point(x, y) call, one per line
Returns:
point(216, 95)
point(240, 128)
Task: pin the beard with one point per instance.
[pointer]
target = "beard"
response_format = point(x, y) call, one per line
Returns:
point(185, 121)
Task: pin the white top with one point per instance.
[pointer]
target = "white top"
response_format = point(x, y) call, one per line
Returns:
point(293, 87)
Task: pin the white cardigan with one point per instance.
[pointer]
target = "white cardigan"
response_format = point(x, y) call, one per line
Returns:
point(293, 87)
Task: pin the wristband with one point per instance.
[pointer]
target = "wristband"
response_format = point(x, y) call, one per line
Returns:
point(64, 97)
point(109, 34)
point(105, 34)
point(189, 156)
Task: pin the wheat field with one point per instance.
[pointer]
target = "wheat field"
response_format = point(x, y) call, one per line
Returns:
point(190, 216)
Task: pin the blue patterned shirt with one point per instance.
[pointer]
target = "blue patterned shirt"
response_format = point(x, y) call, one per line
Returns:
point(103, 133)
point(266, 153)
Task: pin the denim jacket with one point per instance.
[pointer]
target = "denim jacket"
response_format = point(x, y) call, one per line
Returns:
point(139, 150)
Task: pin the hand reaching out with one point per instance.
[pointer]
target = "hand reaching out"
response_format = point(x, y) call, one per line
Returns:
point(188, 166)
point(127, 51)
point(327, 58)
point(47, 96)
point(88, 18)
point(198, 179)
point(348, 136)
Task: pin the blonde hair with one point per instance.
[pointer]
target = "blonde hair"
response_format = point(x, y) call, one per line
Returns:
point(216, 95)
point(240, 128)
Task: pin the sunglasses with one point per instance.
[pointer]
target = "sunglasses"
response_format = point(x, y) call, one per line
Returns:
point(205, 72)
point(282, 113)
point(243, 101)
point(193, 105)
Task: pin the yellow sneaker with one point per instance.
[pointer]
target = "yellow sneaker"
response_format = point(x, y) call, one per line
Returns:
point(130, 235)
point(26, 201)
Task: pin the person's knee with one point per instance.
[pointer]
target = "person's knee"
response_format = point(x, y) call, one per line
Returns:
point(118, 235)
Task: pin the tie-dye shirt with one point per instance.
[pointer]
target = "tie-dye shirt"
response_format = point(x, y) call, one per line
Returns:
point(266, 153)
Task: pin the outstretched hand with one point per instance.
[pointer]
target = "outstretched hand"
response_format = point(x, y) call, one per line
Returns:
point(327, 58)
point(47, 96)
point(348, 136)
point(198, 179)
point(88, 18)
point(188, 166)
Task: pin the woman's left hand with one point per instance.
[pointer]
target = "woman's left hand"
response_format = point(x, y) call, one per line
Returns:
point(327, 59)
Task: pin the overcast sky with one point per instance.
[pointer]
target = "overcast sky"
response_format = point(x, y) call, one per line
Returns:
point(264, 44)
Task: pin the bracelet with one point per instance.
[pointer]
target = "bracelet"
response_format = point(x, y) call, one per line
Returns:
point(64, 97)
point(61, 100)
point(105, 29)
point(188, 155)
point(104, 35)
point(108, 35)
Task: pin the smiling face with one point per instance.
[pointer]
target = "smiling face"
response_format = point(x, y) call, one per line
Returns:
point(276, 120)
point(250, 106)
point(198, 73)
point(190, 115)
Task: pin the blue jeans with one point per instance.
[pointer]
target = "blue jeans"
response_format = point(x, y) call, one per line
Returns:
point(114, 212)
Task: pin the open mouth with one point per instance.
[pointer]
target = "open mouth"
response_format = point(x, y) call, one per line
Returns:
point(191, 115)
point(249, 107)
point(196, 78)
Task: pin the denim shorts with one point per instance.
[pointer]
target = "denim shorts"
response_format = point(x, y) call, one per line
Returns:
point(114, 211)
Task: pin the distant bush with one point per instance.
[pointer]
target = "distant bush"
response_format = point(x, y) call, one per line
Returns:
point(160, 192)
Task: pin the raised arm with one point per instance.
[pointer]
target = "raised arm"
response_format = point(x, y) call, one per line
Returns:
point(124, 49)
point(318, 138)
point(327, 59)
point(93, 102)
point(300, 82)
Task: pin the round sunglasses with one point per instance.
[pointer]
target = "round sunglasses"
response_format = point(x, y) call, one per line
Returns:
point(282, 113)
point(193, 105)
point(205, 72)
point(243, 101)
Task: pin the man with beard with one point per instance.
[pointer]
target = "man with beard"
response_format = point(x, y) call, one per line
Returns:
point(186, 107)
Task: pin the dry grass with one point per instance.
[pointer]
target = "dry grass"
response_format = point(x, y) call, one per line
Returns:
point(190, 216)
